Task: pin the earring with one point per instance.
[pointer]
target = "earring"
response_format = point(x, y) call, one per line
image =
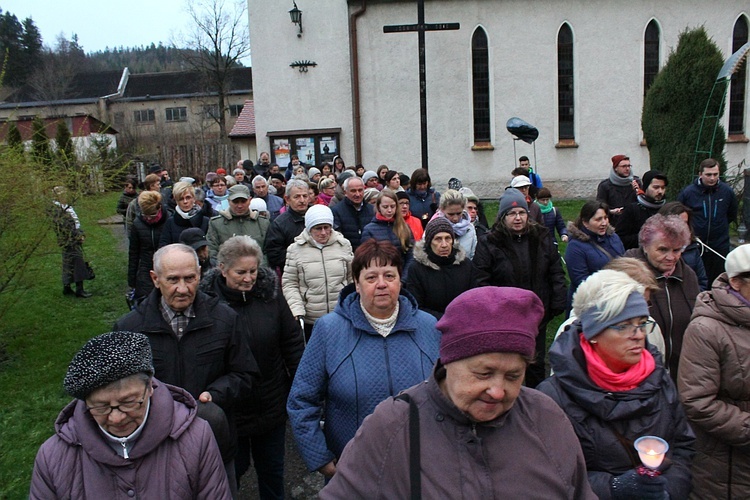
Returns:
point(592, 342)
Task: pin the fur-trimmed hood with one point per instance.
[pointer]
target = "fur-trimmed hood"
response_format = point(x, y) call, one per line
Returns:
point(420, 255)
point(265, 288)
point(583, 234)
point(228, 215)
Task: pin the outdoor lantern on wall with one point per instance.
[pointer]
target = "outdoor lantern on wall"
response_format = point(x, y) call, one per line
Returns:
point(296, 16)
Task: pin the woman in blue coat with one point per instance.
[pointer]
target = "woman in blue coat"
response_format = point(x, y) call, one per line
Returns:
point(593, 243)
point(375, 344)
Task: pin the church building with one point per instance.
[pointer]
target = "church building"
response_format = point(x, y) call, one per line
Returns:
point(337, 83)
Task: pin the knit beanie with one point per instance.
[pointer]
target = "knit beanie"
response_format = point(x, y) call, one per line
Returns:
point(650, 175)
point(259, 205)
point(616, 159)
point(512, 198)
point(369, 175)
point(313, 172)
point(592, 323)
point(490, 319)
point(437, 225)
point(738, 261)
point(318, 214)
point(105, 359)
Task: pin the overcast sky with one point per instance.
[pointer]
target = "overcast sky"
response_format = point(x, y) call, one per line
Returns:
point(98, 24)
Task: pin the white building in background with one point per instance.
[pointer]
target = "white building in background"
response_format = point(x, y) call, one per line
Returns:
point(575, 69)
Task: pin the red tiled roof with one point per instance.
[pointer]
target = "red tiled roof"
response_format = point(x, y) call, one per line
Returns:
point(245, 124)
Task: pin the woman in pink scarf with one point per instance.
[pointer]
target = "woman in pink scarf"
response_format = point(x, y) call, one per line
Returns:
point(614, 388)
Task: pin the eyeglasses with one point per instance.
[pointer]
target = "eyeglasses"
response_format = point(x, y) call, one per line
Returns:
point(513, 215)
point(629, 329)
point(100, 411)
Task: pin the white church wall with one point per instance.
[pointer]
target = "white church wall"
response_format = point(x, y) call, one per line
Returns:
point(522, 35)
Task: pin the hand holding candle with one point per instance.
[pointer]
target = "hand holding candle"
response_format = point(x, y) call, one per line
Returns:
point(651, 450)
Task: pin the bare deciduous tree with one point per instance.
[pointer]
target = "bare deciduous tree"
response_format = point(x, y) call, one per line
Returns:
point(219, 38)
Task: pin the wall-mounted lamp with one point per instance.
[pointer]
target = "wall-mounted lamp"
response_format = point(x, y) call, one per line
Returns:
point(296, 16)
point(302, 65)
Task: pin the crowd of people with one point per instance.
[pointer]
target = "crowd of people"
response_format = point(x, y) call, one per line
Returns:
point(392, 323)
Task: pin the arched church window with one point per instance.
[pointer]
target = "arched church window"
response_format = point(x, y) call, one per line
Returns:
point(565, 83)
point(480, 74)
point(650, 54)
point(737, 90)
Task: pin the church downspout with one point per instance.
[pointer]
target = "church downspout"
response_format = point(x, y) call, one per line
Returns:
point(355, 81)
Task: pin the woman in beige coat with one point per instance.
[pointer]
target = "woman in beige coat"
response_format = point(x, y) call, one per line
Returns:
point(318, 265)
point(714, 382)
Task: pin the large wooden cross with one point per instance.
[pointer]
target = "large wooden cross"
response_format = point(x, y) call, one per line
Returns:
point(420, 28)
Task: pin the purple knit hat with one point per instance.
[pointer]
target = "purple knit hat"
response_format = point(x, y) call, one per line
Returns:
point(490, 319)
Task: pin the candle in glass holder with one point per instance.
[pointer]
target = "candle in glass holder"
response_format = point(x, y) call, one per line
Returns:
point(651, 450)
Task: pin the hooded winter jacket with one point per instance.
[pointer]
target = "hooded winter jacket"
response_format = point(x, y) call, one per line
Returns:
point(435, 286)
point(275, 340)
point(598, 416)
point(714, 384)
point(175, 456)
point(314, 276)
point(348, 368)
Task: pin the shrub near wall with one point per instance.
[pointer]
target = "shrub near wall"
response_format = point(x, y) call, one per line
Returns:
point(675, 104)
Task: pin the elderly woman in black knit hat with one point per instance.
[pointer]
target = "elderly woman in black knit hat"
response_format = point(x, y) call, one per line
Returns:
point(126, 432)
point(440, 271)
point(519, 252)
point(471, 430)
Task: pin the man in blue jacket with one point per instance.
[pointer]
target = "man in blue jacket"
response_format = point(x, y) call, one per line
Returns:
point(714, 206)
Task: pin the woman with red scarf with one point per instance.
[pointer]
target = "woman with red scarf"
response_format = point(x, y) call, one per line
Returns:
point(144, 241)
point(614, 388)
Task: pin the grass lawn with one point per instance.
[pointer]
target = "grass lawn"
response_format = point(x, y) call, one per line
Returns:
point(40, 334)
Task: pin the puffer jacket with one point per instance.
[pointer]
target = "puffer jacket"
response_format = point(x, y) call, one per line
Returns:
point(144, 242)
point(498, 261)
point(583, 257)
point(672, 305)
point(714, 384)
point(225, 225)
point(651, 409)
point(348, 368)
point(435, 286)
point(275, 340)
point(462, 459)
point(175, 456)
point(314, 276)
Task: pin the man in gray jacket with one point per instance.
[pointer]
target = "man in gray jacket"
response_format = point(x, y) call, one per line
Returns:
point(238, 220)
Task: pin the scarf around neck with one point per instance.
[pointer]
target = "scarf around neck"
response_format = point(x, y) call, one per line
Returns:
point(187, 215)
point(608, 380)
point(545, 209)
point(649, 203)
point(462, 226)
point(620, 181)
point(383, 218)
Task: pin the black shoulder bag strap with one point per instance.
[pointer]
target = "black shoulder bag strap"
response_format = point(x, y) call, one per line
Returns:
point(415, 468)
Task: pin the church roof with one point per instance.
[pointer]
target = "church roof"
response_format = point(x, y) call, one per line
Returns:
point(245, 124)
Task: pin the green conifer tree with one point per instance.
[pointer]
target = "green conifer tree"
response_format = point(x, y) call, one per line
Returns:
point(40, 143)
point(65, 151)
point(15, 141)
point(675, 104)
